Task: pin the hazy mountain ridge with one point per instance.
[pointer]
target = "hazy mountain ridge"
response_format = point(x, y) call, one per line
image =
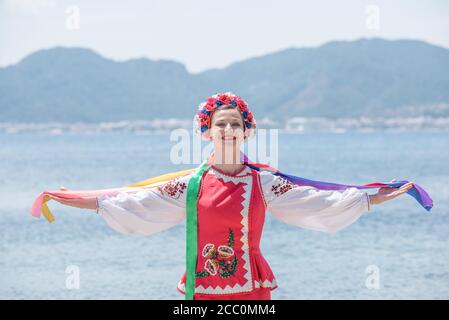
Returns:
point(370, 78)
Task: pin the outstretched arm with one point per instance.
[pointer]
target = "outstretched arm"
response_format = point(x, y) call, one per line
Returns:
point(320, 210)
point(143, 212)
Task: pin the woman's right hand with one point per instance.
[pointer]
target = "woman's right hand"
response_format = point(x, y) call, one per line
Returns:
point(89, 203)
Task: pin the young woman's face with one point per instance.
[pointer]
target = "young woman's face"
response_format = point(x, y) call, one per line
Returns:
point(227, 128)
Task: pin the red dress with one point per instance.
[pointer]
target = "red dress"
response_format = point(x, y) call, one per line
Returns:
point(231, 215)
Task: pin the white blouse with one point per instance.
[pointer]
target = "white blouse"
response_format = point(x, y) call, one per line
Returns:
point(311, 208)
point(147, 211)
point(150, 211)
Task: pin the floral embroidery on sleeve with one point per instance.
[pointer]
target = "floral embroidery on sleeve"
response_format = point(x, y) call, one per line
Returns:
point(219, 259)
point(281, 186)
point(173, 188)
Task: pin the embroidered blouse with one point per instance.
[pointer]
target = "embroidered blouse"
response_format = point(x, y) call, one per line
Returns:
point(231, 215)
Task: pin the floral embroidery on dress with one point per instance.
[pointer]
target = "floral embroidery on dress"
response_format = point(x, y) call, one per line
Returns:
point(219, 259)
point(282, 186)
point(174, 188)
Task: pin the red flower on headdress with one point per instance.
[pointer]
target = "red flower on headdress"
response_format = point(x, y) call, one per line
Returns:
point(210, 104)
point(204, 119)
point(241, 105)
point(224, 98)
point(210, 107)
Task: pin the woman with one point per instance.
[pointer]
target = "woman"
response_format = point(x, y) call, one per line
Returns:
point(229, 208)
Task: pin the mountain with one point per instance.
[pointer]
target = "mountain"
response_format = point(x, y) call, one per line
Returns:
point(370, 77)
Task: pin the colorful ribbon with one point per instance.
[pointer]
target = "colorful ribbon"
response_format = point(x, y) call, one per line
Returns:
point(416, 191)
point(192, 229)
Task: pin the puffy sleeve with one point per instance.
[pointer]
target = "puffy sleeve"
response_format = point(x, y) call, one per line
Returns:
point(147, 211)
point(311, 208)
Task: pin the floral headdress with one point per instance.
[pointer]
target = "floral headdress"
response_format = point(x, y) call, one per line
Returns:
point(206, 110)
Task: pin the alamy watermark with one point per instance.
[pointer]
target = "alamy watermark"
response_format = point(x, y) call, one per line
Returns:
point(372, 21)
point(73, 19)
point(189, 148)
point(72, 281)
point(373, 277)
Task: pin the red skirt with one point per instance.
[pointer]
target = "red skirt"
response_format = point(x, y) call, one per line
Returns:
point(258, 294)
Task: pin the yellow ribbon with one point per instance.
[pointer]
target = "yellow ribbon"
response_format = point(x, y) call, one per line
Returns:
point(46, 211)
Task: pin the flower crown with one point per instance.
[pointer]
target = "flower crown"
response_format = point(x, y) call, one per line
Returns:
point(206, 109)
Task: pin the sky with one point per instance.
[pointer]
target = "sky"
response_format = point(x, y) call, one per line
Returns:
point(205, 34)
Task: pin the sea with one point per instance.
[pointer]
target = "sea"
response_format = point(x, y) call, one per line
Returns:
point(396, 251)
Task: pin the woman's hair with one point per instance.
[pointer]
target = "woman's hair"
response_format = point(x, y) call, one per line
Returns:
point(226, 100)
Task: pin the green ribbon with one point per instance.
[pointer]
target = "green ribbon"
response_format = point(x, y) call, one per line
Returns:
point(192, 229)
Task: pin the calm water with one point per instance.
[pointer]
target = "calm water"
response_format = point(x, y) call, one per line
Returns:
point(408, 245)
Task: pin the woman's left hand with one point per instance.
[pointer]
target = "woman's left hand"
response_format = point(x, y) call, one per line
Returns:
point(389, 193)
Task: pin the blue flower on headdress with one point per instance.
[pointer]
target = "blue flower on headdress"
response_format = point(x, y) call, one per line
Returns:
point(248, 125)
point(218, 103)
point(233, 102)
point(204, 128)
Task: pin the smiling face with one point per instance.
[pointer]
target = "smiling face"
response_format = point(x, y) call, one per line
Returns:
point(227, 130)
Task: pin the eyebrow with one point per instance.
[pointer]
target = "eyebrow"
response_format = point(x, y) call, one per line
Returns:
point(233, 119)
